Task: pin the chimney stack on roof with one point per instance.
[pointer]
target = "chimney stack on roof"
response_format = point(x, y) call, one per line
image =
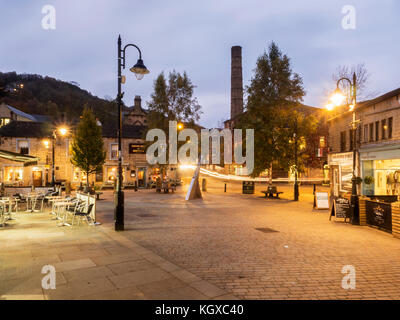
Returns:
point(137, 102)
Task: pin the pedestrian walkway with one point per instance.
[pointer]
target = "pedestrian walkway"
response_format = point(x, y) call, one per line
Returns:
point(261, 248)
point(90, 263)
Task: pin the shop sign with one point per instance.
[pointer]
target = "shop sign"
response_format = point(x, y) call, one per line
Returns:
point(379, 214)
point(248, 187)
point(380, 155)
point(342, 159)
point(136, 148)
point(322, 200)
point(341, 208)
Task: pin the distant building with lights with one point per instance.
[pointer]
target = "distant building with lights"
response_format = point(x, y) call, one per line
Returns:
point(28, 134)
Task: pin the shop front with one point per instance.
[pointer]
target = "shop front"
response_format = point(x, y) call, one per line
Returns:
point(341, 172)
point(381, 170)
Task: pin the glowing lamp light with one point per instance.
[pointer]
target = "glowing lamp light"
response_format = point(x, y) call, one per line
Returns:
point(329, 107)
point(338, 98)
point(63, 131)
point(46, 143)
point(180, 126)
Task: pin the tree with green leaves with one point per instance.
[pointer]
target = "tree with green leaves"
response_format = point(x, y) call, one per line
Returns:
point(273, 96)
point(173, 100)
point(87, 149)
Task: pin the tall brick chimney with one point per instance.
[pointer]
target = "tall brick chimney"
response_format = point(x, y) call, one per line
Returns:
point(236, 81)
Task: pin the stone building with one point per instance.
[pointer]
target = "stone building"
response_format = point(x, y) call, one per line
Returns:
point(378, 146)
point(24, 134)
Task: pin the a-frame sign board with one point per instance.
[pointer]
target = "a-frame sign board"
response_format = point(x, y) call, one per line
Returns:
point(341, 208)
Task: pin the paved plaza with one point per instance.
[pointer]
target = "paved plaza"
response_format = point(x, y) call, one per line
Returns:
point(226, 246)
point(300, 257)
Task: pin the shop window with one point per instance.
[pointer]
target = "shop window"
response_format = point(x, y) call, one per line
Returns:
point(99, 175)
point(13, 174)
point(366, 133)
point(111, 174)
point(376, 130)
point(23, 146)
point(343, 141)
point(114, 151)
point(390, 128)
point(371, 132)
point(384, 129)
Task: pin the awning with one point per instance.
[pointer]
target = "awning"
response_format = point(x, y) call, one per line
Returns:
point(27, 160)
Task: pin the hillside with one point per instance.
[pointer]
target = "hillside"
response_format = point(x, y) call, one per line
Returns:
point(36, 94)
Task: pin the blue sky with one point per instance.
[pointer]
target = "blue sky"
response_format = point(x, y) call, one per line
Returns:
point(196, 36)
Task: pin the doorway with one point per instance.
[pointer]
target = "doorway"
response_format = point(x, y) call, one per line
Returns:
point(141, 176)
point(37, 178)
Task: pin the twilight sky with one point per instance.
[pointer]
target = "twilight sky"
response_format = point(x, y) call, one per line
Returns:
point(196, 36)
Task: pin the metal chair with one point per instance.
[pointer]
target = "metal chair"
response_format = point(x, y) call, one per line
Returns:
point(81, 214)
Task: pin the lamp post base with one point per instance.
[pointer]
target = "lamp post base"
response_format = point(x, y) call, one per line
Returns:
point(296, 191)
point(119, 211)
point(355, 219)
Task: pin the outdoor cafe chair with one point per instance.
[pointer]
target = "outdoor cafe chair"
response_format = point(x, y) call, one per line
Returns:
point(83, 214)
point(2, 216)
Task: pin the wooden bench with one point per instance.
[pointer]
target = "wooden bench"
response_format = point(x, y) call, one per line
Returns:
point(272, 192)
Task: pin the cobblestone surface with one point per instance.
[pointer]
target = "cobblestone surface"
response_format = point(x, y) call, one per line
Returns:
point(216, 239)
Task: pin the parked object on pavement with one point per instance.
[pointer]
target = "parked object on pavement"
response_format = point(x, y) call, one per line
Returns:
point(272, 192)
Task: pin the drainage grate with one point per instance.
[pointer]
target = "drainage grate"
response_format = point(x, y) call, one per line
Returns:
point(266, 230)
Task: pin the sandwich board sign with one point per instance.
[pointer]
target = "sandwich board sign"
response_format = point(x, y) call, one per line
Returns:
point(322, 200)
point(340, 208)
point(248, 187)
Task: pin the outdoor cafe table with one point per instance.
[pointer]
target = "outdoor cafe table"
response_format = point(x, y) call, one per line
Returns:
point(8, 202)
point(60, 207)
point(31, 198)
point(3, 205)
point(53, 200)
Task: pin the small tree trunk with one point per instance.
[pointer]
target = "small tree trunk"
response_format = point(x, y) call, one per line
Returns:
point(270, 174)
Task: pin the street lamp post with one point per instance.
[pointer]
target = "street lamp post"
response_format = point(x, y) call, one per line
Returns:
point(338, 99)
point(296, 184)
point(62, 132)
point(140, 70)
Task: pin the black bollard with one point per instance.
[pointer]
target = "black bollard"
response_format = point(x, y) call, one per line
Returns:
point(314, 192)
point(225, 188)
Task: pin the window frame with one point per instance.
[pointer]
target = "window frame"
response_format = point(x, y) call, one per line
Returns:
point(17, 149)
point(111, 151)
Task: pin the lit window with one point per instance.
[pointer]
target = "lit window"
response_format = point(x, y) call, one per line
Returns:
point(322, 142)
point(114, 151)
point(23, 146)
point(111, 174)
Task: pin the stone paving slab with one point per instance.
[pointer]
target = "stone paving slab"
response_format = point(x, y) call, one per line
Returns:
point(90, 263)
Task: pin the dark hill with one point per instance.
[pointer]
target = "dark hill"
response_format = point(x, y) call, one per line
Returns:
point(49, 96)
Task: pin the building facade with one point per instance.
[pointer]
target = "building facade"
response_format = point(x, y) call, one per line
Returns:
point(378, 146)
point(25, 135)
